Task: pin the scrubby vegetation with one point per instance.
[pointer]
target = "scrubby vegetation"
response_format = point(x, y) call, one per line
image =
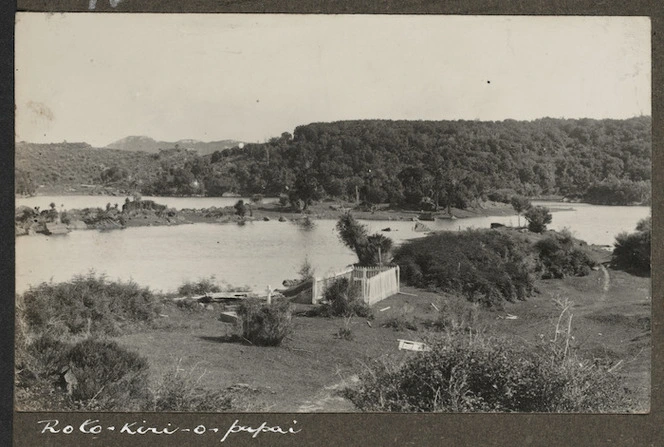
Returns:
point(481, 374)
point(538, 218)
point(342, 299)
point(89, 305)
point(489, 267)
point(89, 374)
point(65, 361)
point(482, 265)
point(632, 251)
point(265, 324)
point(560, 255)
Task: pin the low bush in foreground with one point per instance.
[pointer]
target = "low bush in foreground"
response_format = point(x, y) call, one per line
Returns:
point(107, 376)
point(88, 375)
point(466, 374)
point(86, 305)
point(265, 324)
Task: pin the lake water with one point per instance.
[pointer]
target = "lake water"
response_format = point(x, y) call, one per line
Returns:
point(257, 254)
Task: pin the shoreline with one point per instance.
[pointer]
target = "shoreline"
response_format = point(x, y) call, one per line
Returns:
point(259, 212)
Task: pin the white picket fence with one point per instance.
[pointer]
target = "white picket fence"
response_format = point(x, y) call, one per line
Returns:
point(320, 284)
point(376, 283)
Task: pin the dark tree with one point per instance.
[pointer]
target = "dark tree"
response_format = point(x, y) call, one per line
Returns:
point(538, 217)
point(632, 251)
point(370, 249)
point(240, 208)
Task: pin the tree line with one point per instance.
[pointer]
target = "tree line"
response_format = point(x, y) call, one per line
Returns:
point(414, 164)
point(432, 164)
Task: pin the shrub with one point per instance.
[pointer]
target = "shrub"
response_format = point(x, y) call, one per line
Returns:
point(108, 377)
point(89, 375)
point(265, 324)
point(342, 299)
point(632, 251)
point(86, 304)
point(306, 271)
point(200, 287)
point(40, 358)
point(538, 217)
point(180, 391)
point(464, 374)
point(482, 265)
point(559, 257)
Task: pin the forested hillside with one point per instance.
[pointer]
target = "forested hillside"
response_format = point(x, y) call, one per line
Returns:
point(407, 162)
point(418, 164)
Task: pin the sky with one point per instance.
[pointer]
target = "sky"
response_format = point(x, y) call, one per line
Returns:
point(101, 77)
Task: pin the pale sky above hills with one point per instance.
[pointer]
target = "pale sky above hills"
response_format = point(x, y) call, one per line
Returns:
point(100, 77)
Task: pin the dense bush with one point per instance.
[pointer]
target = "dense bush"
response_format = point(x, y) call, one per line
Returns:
point(265, 324)
point(342, 299)
point(560, 256)
point(632, 251)
point(484, 266)
point(465, 374)
point(90, 375)
point(108, 376)
point(614, 191)
point(87, 304)
point(538, 217)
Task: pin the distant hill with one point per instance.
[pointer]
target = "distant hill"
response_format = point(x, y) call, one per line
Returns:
point(147, 144)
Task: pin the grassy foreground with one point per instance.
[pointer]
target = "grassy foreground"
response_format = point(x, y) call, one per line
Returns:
point(183, 358)
point(610, 327)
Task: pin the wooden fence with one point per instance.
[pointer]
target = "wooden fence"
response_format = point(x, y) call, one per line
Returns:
point(320, 284)
point(376, 283)
point(379, 283)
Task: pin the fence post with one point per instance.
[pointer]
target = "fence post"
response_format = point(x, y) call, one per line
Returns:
point(314, 291)
point(398, 279)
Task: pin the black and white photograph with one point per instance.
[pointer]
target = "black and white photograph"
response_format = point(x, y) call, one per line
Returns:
point(294, 213)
